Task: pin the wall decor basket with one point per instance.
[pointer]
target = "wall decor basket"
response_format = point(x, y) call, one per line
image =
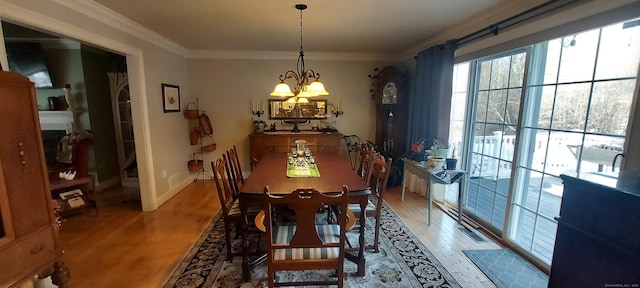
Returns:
point(191, 112)
point(195, 165)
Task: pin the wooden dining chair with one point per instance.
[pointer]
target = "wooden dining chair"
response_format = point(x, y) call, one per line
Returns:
point(379, 176)
point(364, 162)
point(236, 169)
point(308, 244)
point(233, 218)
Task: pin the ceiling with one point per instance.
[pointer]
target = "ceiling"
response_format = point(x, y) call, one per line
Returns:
point(335, 26)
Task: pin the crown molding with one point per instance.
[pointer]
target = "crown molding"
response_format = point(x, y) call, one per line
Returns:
point(288, 55)
point(121, 23)
point(117, 21)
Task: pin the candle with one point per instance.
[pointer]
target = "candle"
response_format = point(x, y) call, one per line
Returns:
point(340, 106)
point(253, 105)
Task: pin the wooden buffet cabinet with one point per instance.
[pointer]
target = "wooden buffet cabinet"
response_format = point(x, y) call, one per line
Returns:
point(283, 141)
point(28, 228)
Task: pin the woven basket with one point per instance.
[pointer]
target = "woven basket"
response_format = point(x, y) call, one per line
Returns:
point(205, 124)
point(191, 112)
point(194, 135)
point(194, 165)
point(209, 148)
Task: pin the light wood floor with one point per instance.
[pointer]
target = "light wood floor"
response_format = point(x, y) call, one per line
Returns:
point(125, 247)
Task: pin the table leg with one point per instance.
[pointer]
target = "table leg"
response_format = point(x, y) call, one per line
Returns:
point(363, 219)
point(459, 205)
point(430, 198)
point(404, 182)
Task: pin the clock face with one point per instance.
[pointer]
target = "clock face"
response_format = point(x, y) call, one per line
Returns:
point(390, 93)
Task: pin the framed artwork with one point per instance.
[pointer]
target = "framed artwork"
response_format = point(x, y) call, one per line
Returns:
point(170, 98)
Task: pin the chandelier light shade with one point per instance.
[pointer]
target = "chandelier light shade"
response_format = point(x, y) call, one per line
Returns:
point(307, 81)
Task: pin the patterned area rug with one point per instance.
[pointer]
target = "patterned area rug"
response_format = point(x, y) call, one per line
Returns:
point(507, 269)
point(403, 261)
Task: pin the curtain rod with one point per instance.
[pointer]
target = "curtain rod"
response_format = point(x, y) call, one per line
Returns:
point(521, 17)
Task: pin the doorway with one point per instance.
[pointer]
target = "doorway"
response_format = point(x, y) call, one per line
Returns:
point(86, 67)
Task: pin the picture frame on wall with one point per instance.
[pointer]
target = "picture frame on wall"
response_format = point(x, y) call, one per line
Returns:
point(170, 98)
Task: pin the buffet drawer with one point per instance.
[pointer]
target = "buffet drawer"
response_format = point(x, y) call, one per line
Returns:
point(30, 251)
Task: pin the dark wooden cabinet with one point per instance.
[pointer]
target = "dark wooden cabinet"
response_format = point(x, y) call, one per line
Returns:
point(281, 141)
point(28, 234)
point(597, 242)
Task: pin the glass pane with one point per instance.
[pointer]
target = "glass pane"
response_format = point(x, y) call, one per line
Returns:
point(540, 144)
point(500, 72)
point(551, 195)
point(618, 56)
point(478, 140)
point(513, 106)
point(485, 75)
point(552, 61)
point(481, 107)
point(489, 167)
point(504, 178)
point(525, 225)
point(455, 136)
point(610, 107)
point(476, 160)
point(564, 149)
point(458, 105)
point(461, 77)
point(472, 196)
point(499, 210)
point(496, 106)
point(485, 204)
point(531, 183)
point(508, 145)
point(124, 96)
point(546, 106)
point(578, 56)
point(517, 70)
point(570, 109)
point(598, 153)
point(124, 110)
point(544, 239)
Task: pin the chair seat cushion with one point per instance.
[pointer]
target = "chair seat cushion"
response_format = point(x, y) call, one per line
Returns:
point(355, 208)
point(328, 234)
point(235, 209)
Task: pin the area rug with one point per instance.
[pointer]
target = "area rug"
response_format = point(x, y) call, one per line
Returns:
point(507, 269)
point(403, 261)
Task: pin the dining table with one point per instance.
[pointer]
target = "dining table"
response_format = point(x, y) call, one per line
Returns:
point(334, 172)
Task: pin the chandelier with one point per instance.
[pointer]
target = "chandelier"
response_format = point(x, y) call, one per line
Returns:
point(307, 80)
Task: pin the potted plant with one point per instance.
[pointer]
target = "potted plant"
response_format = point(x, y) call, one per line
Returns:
point(452, 162)
point(259, 125)
point(437, 154)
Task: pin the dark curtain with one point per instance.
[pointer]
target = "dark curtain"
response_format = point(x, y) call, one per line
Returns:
point(430, 100)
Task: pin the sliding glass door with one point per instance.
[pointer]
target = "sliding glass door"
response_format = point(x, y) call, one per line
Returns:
point(578, 100)
point(497, 98)
point(556, 107)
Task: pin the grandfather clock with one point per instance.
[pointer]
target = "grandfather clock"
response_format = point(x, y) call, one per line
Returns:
point(391, 111)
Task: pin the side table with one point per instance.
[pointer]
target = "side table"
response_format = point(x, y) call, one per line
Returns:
point(422, 170)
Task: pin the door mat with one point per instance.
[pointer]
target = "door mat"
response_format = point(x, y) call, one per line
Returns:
point(507, 269)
